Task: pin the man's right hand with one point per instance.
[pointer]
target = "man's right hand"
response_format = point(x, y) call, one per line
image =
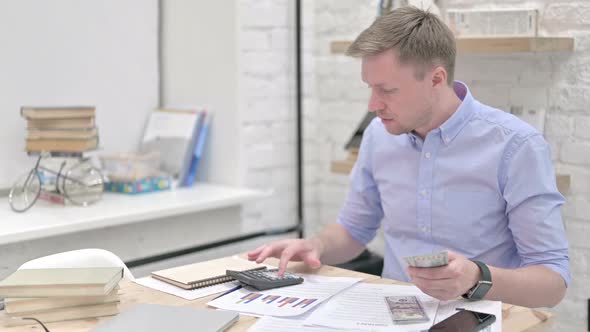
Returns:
point(307, 250)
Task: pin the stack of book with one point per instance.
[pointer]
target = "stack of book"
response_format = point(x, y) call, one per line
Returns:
point(59, 294)
point(67, 129)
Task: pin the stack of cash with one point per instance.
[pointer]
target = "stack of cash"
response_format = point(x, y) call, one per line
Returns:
point(406, 309)
point(429, 260)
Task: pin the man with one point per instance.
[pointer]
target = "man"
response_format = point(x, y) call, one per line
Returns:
point(442, 171)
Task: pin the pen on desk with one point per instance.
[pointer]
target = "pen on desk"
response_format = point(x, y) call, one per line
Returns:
point(227, 292)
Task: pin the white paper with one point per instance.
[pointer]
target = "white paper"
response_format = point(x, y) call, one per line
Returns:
point(273, 324)
point(185, 294)
point(363, 307)
point(285, 301)
point(446, 309)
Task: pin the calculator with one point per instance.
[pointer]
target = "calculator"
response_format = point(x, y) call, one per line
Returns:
point(264, 279)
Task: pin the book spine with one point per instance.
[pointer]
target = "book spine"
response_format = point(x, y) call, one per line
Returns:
point(198, 152)
point(189, 152)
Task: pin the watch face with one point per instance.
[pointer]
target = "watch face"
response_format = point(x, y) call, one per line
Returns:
point(480, 290)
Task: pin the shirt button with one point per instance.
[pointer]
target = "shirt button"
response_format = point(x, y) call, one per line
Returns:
point(427, 155)
point(424, 192)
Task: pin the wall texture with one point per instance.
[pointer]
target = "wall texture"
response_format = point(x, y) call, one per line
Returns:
point(267, 110)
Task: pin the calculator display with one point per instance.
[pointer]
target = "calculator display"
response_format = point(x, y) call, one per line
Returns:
point(264, 279)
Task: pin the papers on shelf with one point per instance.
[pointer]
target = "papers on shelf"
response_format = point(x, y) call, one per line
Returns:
point(363, 308)
point(285, 301)
point(446, 309)
point(185, 294)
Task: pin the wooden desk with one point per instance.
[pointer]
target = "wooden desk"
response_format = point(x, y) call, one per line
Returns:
point(515, 319)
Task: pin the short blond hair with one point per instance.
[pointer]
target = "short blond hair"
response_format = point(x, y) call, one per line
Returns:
point(419, 37)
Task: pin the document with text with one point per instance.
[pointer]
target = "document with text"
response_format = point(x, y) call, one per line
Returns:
point(285, 301)
point(273, 324)
point(363, 308)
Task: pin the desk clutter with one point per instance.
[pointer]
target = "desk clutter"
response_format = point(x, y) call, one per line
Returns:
point(59, 294)
point(357, 304)
point(320, 303)
point(59, 135)
point(169, 154)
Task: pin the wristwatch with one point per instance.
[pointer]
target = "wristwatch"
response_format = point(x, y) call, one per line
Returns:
point(482, 286)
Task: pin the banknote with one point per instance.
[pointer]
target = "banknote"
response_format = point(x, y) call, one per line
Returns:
point(406, 309)
point(428, 260)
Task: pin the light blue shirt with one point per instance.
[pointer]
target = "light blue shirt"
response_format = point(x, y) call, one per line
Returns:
point(482, 185)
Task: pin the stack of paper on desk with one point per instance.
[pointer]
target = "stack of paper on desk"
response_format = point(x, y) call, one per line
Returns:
point(273, 324)
point(285, 301)
point(362, 308)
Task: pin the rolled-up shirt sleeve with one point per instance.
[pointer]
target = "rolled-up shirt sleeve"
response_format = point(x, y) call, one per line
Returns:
point(533, 207)
point(361, 213)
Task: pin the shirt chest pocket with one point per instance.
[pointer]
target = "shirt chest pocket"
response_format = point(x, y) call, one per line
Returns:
point(473, 213)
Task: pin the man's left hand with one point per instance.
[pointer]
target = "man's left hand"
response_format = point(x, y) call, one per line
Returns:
point(446, 282)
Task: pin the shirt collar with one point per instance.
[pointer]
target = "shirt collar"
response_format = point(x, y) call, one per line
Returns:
point(451, 128)
point(415, 139)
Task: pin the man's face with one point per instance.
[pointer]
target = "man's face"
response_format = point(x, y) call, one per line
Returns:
point(399, 99)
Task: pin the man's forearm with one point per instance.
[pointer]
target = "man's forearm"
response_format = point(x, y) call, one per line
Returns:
point(531, 286)
point(336, 245)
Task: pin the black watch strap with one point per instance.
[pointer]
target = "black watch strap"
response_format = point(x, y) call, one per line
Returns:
point(482, 287)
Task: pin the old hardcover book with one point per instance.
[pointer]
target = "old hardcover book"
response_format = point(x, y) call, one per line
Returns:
point(74, 123)
point(31, 304)
point(205, 273)
point(62, 145)
point(62, 134)
point(57, 112)
point(92, 281)
point(62, 314)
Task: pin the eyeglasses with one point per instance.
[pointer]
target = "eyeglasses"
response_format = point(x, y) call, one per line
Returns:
point(76, 180)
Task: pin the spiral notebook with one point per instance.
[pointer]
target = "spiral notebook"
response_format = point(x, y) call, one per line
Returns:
point(204, 274)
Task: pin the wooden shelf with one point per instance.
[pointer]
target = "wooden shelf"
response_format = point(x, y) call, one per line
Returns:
point(345, 166)
point(487, 45)
point(46, 219)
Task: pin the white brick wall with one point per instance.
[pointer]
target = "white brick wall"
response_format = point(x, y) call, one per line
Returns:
point(267, 108)
point(558, 83)
point(335, 101)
